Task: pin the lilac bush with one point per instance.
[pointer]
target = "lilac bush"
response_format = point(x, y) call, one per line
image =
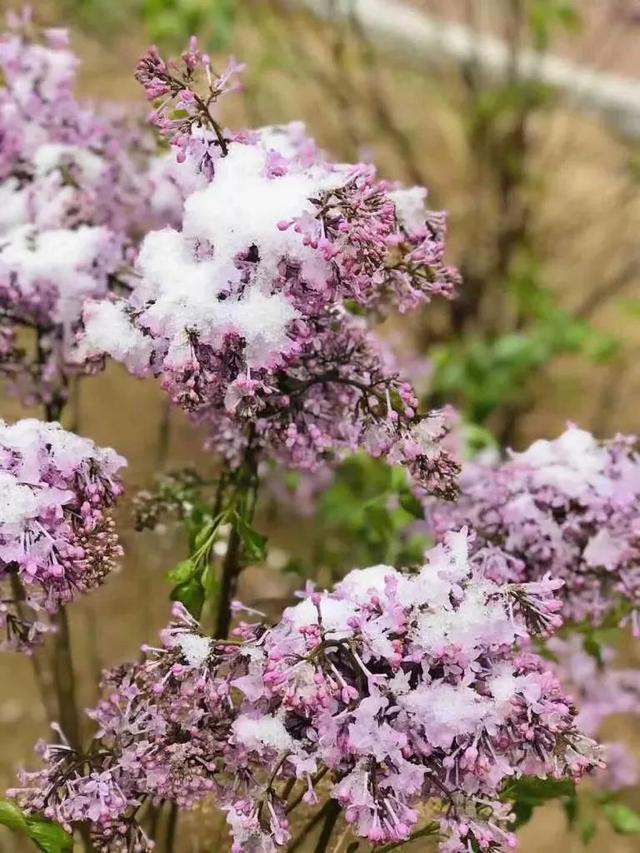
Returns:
point(247, 272)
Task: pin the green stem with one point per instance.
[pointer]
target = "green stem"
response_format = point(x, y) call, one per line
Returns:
point(62, 665)
point(64, 679)
point(230, 571)
point(76, 407)
point(430, 830)
point(331, 816)
point(308, 827)
point(41, 675)
point(172, 825)
point(85, 834)
point(164, 435)
point(244, 501)
point(154, 816)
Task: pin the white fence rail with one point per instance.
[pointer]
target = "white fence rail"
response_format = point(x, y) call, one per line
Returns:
point(418, 38)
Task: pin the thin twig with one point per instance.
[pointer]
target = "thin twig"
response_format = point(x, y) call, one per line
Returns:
point(332, 814)
point(64, 680)
point(41, 675)
point(172, 825)
point(431, 829)
point(246, 487)
point(308, 828)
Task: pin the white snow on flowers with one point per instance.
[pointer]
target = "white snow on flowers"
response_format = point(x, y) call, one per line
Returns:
point(411, 206)
point(61, 264)
point(468, 622)
point(109, 323)
point(34, 447)
point(190, 279)
point(571, 463)
point(195, 648)
point(266, 731)
point(54, 155)
point(20, 502)
point(13, 204)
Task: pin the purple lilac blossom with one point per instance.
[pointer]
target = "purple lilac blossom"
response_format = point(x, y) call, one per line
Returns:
point(249, 312)
point(57, 536)
point(570, 507)
point(70, 197)
point(399, 690)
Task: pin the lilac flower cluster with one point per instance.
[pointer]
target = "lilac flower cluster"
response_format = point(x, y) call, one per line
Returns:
point(601, 691)
point(69, 195)
point(183, 115)
point(248, 313)
point(570, 507)
point(57, 536)
point(395, 691)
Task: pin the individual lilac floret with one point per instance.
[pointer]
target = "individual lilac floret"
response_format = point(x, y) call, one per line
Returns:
point(399, 690)
point(570, 507)
point(601, 691)
point(245, 313)
point(57, 536)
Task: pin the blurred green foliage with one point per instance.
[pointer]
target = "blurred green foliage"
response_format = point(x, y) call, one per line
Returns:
point(168, 23)
point(368, 514)
point(508, 326)
point(172, 22)
point(483, 374)
point(547, 16)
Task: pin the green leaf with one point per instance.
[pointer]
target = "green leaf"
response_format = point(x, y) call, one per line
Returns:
point(545, 16)
point(523, 813)
point(182, 571)
point(379, 521)
point(254, 543)
point(210, 583)
point(50, 837)
point(588, 829)
point(410, 503)
point(397, 477)
point(191, 594)
point(529, 791)
point(295, 566)
point(570, 806)
point(12, 817)
point(477, 438)
point(204, 535)
point(593, 648)
point(623, 820)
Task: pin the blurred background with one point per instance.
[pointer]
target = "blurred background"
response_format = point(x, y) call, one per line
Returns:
point(522, 117)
